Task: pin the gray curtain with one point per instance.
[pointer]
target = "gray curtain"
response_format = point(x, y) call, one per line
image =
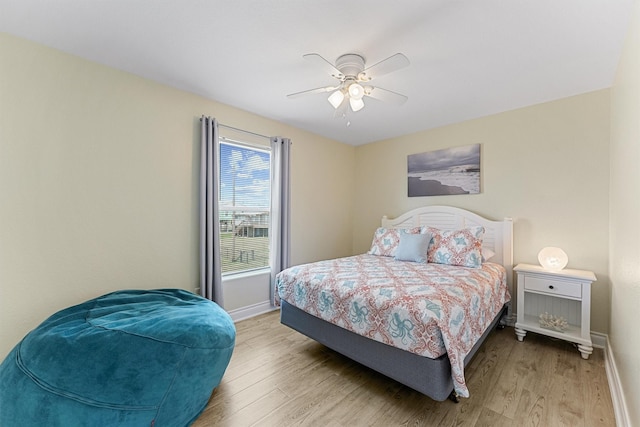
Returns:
point(280, 207)
point(210, 271)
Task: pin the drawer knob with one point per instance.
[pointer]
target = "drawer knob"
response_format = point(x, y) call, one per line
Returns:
point(550, 286)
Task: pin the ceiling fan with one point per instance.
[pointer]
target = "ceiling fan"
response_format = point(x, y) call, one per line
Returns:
point(354, 79)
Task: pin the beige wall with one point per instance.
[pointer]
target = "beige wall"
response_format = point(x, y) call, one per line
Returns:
point(624, 258)
point(546, 166)
point(98, 184)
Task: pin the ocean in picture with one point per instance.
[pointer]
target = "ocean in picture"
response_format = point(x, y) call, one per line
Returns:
point(444, 172)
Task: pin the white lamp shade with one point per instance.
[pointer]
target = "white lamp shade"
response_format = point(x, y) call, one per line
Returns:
point(356, 91)
point(554, 259)
point(356, 104)
point(336, 98)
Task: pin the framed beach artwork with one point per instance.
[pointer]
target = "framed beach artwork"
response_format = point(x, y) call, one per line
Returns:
point(444, 172)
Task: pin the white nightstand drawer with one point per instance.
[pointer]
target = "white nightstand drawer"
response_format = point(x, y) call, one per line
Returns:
point(553, 287)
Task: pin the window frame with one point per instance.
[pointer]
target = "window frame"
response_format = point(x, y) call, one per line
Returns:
point(225, 206)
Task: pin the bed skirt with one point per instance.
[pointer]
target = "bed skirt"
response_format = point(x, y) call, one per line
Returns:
point(431, 377)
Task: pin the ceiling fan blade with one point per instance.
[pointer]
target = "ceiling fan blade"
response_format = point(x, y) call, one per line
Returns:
point(385, 95)
point(386, 66)
point(311, 91)
point(327, 66)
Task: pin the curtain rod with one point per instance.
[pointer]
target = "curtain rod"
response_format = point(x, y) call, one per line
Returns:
point(244, 131)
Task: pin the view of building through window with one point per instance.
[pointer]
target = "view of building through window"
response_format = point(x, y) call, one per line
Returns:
point(245, 199)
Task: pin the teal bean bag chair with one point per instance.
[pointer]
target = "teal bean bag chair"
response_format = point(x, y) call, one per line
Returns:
point(128, 358)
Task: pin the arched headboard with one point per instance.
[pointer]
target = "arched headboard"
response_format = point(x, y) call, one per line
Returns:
point(498, 234)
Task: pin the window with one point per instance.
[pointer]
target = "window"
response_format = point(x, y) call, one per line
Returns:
point(245, 200)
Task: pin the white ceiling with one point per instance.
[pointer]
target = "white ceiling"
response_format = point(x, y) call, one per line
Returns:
point(469, 58)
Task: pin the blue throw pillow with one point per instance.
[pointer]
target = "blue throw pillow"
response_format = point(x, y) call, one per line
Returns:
point(413, 247)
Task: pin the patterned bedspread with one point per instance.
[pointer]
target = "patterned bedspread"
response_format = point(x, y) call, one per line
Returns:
point(427, 309)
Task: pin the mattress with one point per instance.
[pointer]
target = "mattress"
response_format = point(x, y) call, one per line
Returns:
point(425, 309)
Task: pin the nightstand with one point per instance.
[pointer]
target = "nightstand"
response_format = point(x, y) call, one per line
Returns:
point(565, 293)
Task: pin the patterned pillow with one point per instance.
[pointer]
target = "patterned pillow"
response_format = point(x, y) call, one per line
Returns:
point(386, 240)
point(456, 247)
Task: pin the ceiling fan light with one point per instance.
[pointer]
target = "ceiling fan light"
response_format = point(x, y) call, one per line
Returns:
point(336, 98)
point(356, 104)
point(356, 91)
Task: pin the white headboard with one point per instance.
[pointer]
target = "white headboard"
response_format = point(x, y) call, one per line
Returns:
point(498, 234)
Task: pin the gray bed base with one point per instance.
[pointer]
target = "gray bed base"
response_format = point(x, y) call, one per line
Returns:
point(431, 377)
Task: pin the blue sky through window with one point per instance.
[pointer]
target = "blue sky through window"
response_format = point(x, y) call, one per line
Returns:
point(251, 168)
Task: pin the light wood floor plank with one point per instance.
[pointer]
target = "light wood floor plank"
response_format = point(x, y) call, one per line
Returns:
point(567, 406)
point(253, 413)
point(507, 390)
point(278, 377)
point(489, 418)
point(533, 410)
point(299, 410)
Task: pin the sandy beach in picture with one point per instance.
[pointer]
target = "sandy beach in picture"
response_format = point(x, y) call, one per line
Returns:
point(444, 172)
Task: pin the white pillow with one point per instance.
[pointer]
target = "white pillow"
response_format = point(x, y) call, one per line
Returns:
point(487, 254)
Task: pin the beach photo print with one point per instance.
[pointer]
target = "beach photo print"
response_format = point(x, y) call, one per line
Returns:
point(444, 172)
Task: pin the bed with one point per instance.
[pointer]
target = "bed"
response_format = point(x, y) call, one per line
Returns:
point(416, 322)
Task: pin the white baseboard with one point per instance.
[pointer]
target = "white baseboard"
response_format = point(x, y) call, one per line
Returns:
point(251, 311)
point(599, 340)
point(617, 396)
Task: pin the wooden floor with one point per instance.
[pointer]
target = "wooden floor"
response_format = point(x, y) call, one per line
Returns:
point(278, 377)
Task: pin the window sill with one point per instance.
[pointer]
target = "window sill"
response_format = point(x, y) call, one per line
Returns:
point(244, 274)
